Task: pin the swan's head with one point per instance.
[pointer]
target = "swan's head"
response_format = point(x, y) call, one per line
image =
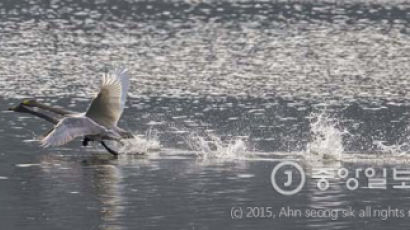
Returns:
point(29, 102)
point(22, 106)
point(19, 108)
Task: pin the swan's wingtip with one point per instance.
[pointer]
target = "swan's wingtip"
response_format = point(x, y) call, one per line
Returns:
point(44, 143)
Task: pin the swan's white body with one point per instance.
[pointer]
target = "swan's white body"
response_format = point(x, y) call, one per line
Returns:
point(101, 117)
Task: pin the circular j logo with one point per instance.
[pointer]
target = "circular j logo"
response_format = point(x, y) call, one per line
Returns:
point(288, 178)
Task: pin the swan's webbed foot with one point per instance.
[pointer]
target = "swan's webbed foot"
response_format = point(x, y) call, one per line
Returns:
point(113, 152)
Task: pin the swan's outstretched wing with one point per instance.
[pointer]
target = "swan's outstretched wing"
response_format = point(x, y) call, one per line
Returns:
point(107, 107)
point(69, 128)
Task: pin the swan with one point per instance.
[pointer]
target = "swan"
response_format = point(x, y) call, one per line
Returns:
point(98, 123)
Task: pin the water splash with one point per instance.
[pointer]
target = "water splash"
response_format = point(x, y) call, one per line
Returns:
point(395, 149)
point(326, 140)
point(141, 144)
point(400, 147)
point(211, 146)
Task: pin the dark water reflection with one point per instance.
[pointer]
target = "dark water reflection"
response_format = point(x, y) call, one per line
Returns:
point(94, 192)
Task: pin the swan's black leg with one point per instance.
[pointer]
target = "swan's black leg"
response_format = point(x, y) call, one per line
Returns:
point(108, 149)
point(85, 141)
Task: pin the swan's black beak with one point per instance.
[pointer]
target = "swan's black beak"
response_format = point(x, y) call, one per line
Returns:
point(19, 108)
point(15, 108)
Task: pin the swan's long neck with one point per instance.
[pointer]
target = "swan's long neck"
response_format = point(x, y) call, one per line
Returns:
point(33, 103)
point(23, 109)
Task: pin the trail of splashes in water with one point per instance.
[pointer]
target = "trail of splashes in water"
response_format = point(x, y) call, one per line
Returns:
point(211, 146)
point(326, 140)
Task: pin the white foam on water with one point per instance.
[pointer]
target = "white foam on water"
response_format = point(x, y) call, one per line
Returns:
point(211, 146)
point(326, 140)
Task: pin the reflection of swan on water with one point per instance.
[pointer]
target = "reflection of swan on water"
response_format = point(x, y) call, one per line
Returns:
point(93, 184)
point(98, 123)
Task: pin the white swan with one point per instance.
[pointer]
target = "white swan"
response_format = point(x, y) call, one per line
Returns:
point(98, 123)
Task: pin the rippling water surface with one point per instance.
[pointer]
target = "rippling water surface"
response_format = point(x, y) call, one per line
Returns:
point(221, 91)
